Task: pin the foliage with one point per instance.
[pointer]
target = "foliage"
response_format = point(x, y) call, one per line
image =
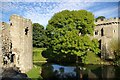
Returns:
point(100, 17)
point(69, 33)
point(81, 20)
point(37, 54)
point(115, 47)
point(39, 36)
point(47, 72)
point(91, 58)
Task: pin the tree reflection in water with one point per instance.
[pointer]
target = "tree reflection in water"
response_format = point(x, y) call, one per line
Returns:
point(50, 72)
point(87, 72)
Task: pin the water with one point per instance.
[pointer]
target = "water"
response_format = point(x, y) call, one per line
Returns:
point(50, 71)
point(78, 72)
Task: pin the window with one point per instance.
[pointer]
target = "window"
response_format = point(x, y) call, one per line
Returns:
point(102, 32)
point(10, 24)
point(10, 45)
point(12, 58)
point(96, 32)
point(26, 31)
point(114, 31)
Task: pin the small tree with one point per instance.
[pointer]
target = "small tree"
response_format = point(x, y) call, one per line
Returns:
point(100, 17)
point(115, 47)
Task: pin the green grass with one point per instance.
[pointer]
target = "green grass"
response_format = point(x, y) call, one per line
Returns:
point(34, 73)
point(37, 54)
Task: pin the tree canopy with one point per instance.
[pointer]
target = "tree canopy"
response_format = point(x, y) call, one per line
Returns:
point(39, 35)
point(69, 33)
point(81, 20)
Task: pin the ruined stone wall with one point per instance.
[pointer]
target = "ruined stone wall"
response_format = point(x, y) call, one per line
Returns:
point(106, 30)
point(5, 42)
point(0, 46)
point(16, 43)
point(5, 38)
point(21, 37)
point(110, 27)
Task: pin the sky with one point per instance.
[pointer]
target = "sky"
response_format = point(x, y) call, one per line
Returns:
point(42, 11)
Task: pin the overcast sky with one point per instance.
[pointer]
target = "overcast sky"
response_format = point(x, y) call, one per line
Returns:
point(41, 11)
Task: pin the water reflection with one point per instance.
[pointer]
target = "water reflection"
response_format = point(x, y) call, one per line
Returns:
point(76, 72)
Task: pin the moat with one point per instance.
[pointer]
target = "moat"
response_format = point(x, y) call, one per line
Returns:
point(50, 71)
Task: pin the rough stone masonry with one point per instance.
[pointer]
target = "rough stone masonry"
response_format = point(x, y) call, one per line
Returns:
point(106, 31)
point(16, 43)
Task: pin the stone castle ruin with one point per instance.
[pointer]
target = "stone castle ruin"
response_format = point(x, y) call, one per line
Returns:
point(107, 30)
point(16, 43)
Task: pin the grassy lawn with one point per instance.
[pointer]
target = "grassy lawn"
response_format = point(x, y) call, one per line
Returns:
point(34, 73)
point(37, 54)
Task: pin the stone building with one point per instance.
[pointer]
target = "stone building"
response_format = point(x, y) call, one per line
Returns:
point(107, 30)
point(16, 43)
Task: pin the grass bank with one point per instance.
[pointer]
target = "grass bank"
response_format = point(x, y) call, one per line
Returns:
point(34, 73)
point(37, 56)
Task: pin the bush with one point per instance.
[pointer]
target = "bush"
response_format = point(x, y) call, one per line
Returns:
point(91, 58)
point(115, 47)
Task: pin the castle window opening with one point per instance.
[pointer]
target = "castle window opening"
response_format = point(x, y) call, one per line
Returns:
point(115, 22)
point(10, 24)
point(112, 22)
point(102, 32)
point(12, 58)
point(26, 30)
point(114, 31)
point(18, 59)
point(10, 45)
point(96, 32)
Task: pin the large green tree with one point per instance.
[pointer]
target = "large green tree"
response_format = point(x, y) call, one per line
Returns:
point(39, 35)
point(81, 20)
point(69, 33)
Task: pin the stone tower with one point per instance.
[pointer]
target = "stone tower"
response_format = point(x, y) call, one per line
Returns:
point(17, 47)
point(21, 37)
